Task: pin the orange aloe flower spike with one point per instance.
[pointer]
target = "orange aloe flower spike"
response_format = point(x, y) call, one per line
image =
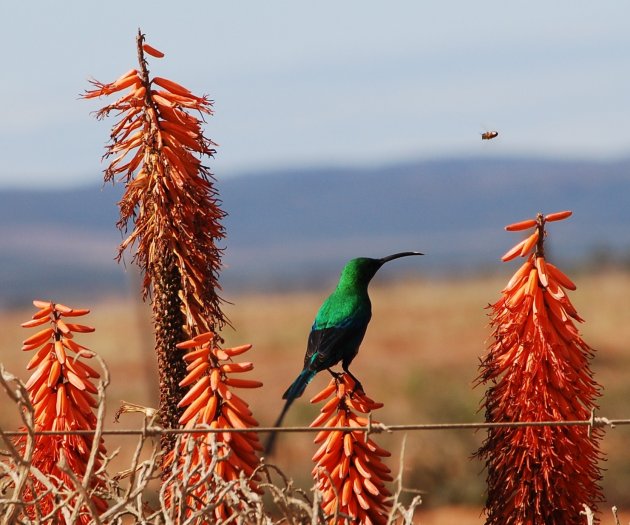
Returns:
point(58, 391)
point(349, 471)
point(537, 369)
point(158, 150)
point(210, 402)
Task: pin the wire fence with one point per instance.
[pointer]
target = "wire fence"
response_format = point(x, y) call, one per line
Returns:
point(126, 488)
point(371, 428)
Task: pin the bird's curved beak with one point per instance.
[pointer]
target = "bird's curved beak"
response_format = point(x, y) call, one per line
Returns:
point(397, 256)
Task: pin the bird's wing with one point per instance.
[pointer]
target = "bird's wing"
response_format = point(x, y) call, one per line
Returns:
point(327, 346)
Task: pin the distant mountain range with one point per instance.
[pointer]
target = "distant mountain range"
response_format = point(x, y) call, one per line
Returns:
point(295, 228)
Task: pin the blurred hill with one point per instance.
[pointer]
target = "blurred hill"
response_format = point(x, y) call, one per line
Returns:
point(295, 228)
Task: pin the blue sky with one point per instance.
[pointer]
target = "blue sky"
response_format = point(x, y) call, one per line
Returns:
point(300, 83)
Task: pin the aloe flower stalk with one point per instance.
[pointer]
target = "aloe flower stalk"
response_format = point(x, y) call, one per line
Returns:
point(156, 150)
point(538, 369)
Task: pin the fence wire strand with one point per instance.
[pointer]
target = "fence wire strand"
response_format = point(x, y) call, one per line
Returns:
point(371, 428)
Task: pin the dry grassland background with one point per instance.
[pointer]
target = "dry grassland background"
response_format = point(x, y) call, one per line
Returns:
point(419, 357)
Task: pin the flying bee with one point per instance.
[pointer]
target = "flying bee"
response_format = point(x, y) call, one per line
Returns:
point(489, 135)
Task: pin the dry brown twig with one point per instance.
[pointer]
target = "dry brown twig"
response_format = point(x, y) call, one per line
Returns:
point(614, 512)
point(293, 503)
point(128, 500)
point(397, 509)
point(17, 477)
point(590, 517)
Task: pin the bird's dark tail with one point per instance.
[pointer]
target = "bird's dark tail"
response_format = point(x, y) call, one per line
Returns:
point(293, 392)
point(272, 436)
point(299, 385)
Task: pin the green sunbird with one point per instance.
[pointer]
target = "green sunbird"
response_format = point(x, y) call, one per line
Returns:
point(339, 327)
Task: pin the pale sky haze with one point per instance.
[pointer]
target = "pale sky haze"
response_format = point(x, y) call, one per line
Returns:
point(299, 83)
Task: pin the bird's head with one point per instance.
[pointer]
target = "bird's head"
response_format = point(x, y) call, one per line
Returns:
point(360, 271)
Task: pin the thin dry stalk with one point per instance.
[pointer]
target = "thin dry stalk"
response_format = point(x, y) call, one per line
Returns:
point(19, 475)
point(398, 510)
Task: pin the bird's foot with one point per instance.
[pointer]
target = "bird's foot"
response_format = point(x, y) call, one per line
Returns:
point(358, 387)
point(339, 378)
point(336, 375)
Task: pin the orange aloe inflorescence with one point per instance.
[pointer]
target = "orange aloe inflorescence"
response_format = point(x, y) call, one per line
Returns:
point(157, 146)
point(169, 194)
point(538, 370)
point(211, 402)
point(61, 392)
point(349, 471)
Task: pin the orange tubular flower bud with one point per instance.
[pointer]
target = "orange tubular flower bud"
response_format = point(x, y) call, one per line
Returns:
point(542, 271)
point(523, 225)
point(39, 337)
point(237, 350)
point(235, 368)
point(324, 393)
point(35, 322)
point(75, 312)
point(513, 252)
point(195, 407)
point(152, 51)
point(532, 282)
point(171, 86)
point(558, 216)
point(242, 383)
point(80, 328)
point(199, 386)
point(60, 351)
point(558, 275)
point(194, 374)
point(43, 305)
point(519, 275)
point(529, 243)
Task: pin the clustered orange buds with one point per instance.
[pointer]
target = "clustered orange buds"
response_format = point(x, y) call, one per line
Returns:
point(524, 247)
point(157, 148)
point(211, 402)
point(348, 469)
point(61, 392)
point(538, 369)
point(154, 121)
point(156, 129)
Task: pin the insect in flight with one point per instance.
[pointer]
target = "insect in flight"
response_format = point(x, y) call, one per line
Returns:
point(489, 135)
